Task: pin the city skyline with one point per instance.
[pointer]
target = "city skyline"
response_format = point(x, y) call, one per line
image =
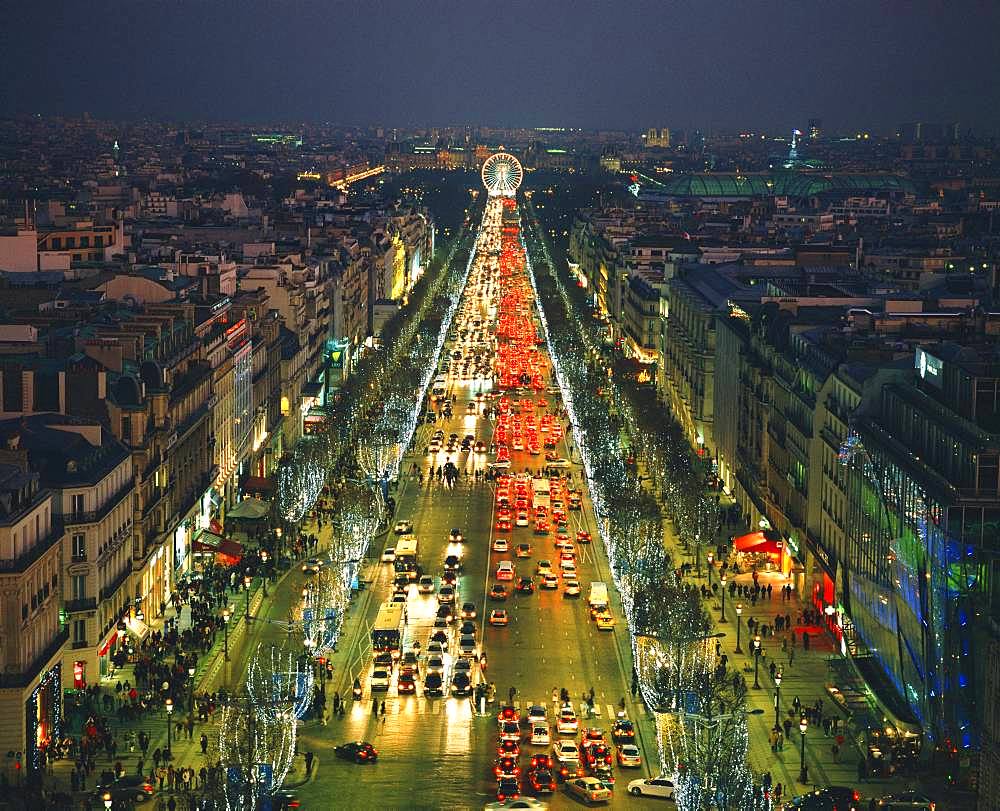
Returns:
point(702, 66)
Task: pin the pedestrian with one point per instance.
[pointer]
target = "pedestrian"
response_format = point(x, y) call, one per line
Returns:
point(778, 791)
point(171, 804)
point(309, 763)
point(382, 709)
point(805, 641)
point(791, 653)
point(204, 743)
point(835, 750)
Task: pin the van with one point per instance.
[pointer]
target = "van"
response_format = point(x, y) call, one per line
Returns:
point(598, 598)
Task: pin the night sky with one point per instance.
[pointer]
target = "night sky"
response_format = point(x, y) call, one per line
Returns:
point(714, 65)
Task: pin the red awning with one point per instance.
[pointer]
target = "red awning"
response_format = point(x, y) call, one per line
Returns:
point(756, 542)
point(233, 549)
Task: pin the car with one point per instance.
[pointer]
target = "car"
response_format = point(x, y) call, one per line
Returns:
point(540, 735)
point(380, 680)
point(127, 789)
point(435, 649)
point(480, 447)
point(498, 616)
point(403, 527)
point(503, 525)
point(435, 664)
point(433, 684)
point(597, 754)
point(605, 773)
point(507, 789)
point(506, 766)
point(505, 570)
point(508, 713)
point(446, 612)
point(425, 585)
point(468, 628)
point(544, 567)
point(525, 585)
point(571, 588)
point(588, 789)
point(558, 461)
point(565, 751)
point(583, 537)
point(511, 748)
point(312, 566)
point(407, 682)
point(550, 581)
point(498, 591)
point(357, 751)
point(519, 802)
point(410, 659)
point(541, 781)
point(468, 611)
point(629, 756)
point(906, 801)
point(467, 646)
point(398, 597)
point(453, 563)
point(831, 798)
point(461, 684)
point(623, 731)
point(510, 731)
point(568, 723)
point(605, 622)
point(537, 714)
point(522, 519)
point(567, 551)
point(652, 787)
point(446, 594)
point(383, 661)
point(523, 550)
point(501, 545)
point(449, 577)
point(455, 536)
point(388, 554)
point(591, 737)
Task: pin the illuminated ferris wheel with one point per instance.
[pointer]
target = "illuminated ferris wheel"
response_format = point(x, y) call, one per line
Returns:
point(502, 174)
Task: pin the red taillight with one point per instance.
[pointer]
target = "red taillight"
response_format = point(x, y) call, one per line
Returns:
point(856, 796)
point(552, 786)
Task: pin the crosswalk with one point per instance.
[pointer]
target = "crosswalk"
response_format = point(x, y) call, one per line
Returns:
point(420, 705)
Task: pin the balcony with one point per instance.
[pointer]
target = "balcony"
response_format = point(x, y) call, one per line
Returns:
point(24, 678)
point(93, 516)
point(116, 584)
point(79, 558)
point(79, 644)
point(81, 604)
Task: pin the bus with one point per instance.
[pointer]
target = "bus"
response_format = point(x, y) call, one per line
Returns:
point(387, 632)
point(540, 493)
point(406, 557)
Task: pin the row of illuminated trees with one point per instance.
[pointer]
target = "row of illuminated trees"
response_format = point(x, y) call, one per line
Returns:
point(699, 704)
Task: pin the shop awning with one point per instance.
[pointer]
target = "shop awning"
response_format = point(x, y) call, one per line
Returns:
point(757, 542)
point(252, 508)
point(257, 484)
point(206, 542)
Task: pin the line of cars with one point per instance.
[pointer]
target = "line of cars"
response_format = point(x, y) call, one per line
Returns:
point(584, 768)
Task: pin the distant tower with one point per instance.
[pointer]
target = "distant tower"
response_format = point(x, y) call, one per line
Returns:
point(793, 151)
point(115, 150)
point(815, 128)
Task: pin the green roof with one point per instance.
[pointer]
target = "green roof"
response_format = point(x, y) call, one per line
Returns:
point(782, 184)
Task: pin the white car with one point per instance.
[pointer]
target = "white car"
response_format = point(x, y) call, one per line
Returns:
point(560, 462)
point(569, 572)
point(536, 714)
point(628, 755)
point(550, 581)
point(544, 567)
point(571, 588)
point(380, 680)
point(426, 584)
point(652, 787)
point(540, 735)
point(589, 789)
point(568, 723)
point(312, 566)
point(566, 752)
point(505, 570)
point(402, 527)
point(388, 554)
point(501, 545)
point(522, 519)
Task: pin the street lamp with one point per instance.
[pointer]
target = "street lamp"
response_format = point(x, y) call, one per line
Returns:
point(226, 614)
point(246, 585)
point(191, 694)
point(739, 613)
point(722, 581)
point(777, 698)
point(711, 559)
point(756, 662)
point(108, 802)
point(263, 564)
point(803, 726)
point(170, 710)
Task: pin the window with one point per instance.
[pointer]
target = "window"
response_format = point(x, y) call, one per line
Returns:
point(84, 242)
point(98, 242)
point(79, 547)
point(79, 630)
point(77, 503)
point(70, 242)
point(56, 243)
point(79, 587)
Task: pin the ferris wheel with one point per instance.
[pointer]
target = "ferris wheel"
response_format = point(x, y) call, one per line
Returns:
point(502, 174)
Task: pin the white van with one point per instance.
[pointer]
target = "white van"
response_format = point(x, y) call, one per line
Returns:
point(598, 598)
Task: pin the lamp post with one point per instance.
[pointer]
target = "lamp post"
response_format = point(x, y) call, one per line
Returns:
point(739, 613)
point(710, 558)
point(191, 693)
point(108, 801)
point(226, 614)
point(263, 565)
point(246, 585)
point(777, 698)
point(803, 726)
point(756, 661)
point(170, 710)
point(722, 582)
